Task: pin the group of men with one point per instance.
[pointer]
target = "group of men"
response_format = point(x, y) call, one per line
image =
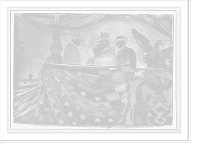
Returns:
point(104, 54)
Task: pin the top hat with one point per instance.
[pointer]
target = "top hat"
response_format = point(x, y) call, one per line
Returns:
point(120, 38)
point(104, 36)
point(76, 35)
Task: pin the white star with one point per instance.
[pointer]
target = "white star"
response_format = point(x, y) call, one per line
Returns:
point(52, 100)
point(91, 80)
point(60, 121)
point(54, 73)
point(73, 123)
point(80, 85)
point(46, 79)
point(49, 90)
point(83, 117)
point(58, 84)
point(78, 75)
point(69, 87)
point(110, 120)
point(97, 98)
point(91, 112)
point(97, 120)
point(70, 114)
point(66, 104)
point(86, 102)
point(94, 90)
point(73, 97)
point(67, 78)
point(101, 106)
point(62, 93)
point(105, 113)
point(56, 111)
point(77, 107)
point(83, 93)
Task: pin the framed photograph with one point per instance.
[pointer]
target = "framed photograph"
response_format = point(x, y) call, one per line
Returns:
point(91, 71)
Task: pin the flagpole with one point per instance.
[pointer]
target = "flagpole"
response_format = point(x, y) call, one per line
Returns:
point(56, 47)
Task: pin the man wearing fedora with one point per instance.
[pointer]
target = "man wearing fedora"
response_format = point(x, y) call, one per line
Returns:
point(126, 55)
point(22, 63)
point(104, 54)
point(71, 50)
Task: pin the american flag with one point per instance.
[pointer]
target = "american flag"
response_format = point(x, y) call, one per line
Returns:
point(24, 100)
point(77, 96)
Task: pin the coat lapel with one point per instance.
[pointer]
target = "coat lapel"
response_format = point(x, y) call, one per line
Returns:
point(124, 49)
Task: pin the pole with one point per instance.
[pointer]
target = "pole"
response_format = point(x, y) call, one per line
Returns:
point(56, 47)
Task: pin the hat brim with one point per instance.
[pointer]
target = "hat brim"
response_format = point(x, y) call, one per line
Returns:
point(76, 37)
point(122, 39)
point(103, 39)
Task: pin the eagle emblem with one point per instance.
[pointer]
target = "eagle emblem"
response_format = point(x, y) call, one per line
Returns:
point(154, 52)
point(157, 85)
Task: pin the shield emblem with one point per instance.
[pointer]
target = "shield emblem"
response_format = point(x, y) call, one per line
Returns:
point(151, 99)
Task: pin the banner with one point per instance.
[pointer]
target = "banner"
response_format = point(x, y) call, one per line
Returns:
point(76, 96)
point(86, 96)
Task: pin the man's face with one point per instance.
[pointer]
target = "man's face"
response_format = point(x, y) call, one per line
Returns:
point(120, 44)
point(104, 42)
point(78, 42)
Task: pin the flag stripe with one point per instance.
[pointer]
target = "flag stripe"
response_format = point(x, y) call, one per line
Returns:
point(119, 83)
point(39, 110)
point(26, 116)
point(95, 97)
point(108, 87)
point(25, 110)
point(24, 101)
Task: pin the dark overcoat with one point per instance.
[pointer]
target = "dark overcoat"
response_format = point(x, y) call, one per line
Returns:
point(127, 56)
point(106, 57)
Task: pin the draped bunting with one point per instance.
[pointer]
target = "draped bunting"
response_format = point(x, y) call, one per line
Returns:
point(77, 22)
point(152, 21)
point(85, 22)
point(49, 15)
point(82, 21)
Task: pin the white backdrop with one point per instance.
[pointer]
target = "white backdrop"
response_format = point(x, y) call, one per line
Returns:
point(181, 133)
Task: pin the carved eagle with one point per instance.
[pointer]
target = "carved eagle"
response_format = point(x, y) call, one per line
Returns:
point(163, 54)
point(157, 85)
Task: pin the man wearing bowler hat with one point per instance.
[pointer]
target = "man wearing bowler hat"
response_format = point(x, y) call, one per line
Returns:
point(125, 56)
point(71, 50)
point(104, 54)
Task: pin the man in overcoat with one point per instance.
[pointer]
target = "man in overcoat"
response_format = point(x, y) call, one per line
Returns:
point(71, 50)
point(126, 55)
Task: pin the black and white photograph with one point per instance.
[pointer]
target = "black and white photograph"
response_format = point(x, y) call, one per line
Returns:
point(93, 70)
